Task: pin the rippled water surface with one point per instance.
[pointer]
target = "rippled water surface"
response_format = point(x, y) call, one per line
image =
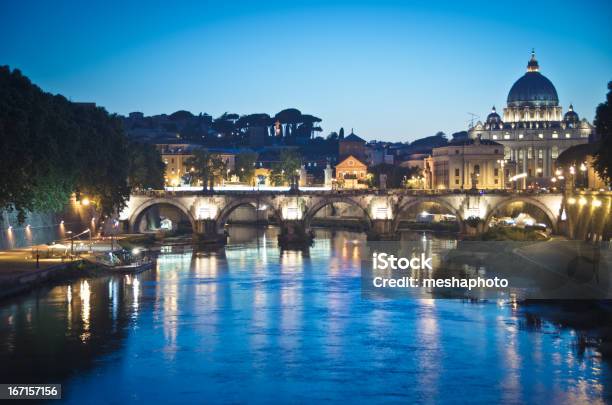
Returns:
point(255, 324)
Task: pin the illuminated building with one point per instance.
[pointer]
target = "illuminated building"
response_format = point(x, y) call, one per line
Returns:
point(465, 164)
point(533, 130)
point(176, 156)
point(351, 173)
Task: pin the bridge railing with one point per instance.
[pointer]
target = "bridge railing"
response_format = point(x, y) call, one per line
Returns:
point(341, 192)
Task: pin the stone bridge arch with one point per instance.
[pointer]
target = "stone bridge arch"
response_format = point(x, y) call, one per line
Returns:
point(552, 218)
point(135, 217)
point(324, 201)
point(233, 203)
point(406, 205)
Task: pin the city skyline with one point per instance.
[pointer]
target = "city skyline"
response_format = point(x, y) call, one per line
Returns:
point(321, 58)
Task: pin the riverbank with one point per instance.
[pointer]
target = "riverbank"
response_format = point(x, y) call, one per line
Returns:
point(22, 270)
point(22, 282)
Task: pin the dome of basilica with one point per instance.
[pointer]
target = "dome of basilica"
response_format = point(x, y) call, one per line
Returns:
point(533, 89)
point(494, 117)
point(571, 115)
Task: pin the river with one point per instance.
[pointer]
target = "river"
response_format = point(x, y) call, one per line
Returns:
point(252, 323)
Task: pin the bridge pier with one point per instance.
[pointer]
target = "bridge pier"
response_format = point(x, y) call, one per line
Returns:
point(383, 229)
point(294, 233)
point(206, 232)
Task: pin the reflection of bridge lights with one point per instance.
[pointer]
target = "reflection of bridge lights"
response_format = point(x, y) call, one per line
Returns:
point(596, 203)
point(582, 201)
point(571, 201)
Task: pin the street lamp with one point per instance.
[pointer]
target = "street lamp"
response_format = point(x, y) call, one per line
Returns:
point(583, 169)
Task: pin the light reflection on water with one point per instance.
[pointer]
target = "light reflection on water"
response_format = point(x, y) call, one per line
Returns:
point(250, 322)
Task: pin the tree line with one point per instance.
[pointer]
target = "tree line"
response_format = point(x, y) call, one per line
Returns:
point(53, 148)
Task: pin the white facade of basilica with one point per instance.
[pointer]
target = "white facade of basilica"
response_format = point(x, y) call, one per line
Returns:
point(533, 130)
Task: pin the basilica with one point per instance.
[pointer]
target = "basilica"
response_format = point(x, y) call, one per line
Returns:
point(533, 130)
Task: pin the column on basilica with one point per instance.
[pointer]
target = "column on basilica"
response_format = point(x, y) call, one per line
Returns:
point(525, 156)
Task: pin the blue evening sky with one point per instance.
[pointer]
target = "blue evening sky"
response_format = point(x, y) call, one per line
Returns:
point(393, 70)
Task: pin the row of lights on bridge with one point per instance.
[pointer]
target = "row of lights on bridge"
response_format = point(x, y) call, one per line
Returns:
point(582, 201)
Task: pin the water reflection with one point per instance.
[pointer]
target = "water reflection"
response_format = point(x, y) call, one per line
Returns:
point(253, 321)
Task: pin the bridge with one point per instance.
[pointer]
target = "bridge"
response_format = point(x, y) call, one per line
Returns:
point(381, 211)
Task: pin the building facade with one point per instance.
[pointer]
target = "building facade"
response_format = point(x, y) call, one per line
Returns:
point(465, 164)
point(533, 129)
point(351, 173)
point(176, 158)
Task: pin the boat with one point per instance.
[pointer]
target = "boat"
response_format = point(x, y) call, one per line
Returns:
point(131, 268)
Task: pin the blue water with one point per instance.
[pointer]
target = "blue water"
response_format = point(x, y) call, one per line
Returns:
point(252, 324)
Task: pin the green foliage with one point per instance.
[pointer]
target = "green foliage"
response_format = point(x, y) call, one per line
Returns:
point(513, 234)
point(245, 166)
point(284, 171)
point(208, 167)
point(52, 147)
point(603, 124)
point(146, 167)
point(396, 175)
point(103, 159)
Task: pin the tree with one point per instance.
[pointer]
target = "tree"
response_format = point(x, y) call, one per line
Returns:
point(284, 171)
point(225, 124)
point(207, 167)
point(332, 136)
point(146, 166)
point(244, 166)
point(52, 148)
point(289, 117)
point(396, 175)
point(429, 142)
point(603, 125)
point(103, 158)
